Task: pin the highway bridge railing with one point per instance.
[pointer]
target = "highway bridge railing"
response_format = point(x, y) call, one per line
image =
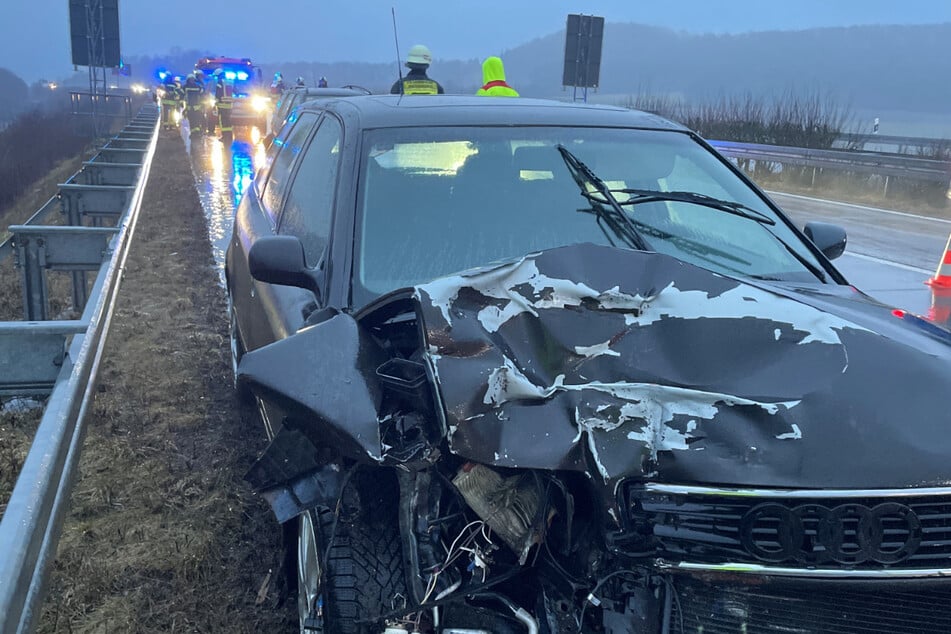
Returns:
point(60, 358)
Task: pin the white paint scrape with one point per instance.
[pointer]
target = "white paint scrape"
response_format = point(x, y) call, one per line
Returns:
point(741, 302)
point(597, 350)
point(648, 406)
point(501, 283)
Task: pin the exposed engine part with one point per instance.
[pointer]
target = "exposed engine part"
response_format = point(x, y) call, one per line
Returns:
point(520, 613)
point(510, 506)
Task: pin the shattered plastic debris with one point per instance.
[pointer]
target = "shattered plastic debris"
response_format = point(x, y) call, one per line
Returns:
point(20, 405)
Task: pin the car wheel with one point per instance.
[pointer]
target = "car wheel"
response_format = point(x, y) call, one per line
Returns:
point(237, 351)
point(364, 567)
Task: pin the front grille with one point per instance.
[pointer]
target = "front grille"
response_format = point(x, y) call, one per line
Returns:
point(869, 533)
point(720, 608)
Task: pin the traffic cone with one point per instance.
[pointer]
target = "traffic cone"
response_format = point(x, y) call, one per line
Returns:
point(940, 311)
point(942, 277)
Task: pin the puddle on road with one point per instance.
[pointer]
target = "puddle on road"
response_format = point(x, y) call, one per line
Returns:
point(223, 172)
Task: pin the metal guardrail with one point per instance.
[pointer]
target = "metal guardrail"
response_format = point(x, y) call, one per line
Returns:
point(899, 142)
point(62, 358)
point(886, 165)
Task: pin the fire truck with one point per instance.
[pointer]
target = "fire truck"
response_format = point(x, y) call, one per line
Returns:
point(252, 104)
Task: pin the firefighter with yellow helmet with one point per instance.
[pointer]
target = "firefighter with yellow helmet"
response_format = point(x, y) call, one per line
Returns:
point(416, 82)
point(224, 100)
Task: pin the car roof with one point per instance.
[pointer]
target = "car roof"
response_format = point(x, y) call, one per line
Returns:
point(384, 111)
point(314, 92)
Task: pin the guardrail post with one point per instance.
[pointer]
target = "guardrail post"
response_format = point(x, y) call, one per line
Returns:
point(31, 257)
point(73, 249)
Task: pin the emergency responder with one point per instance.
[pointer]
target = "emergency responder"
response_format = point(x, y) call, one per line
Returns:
point(180, 91)
point(170, 101)
point(322, 82)
point(193, 93)
point(416, 82)
point(493, 80)
point(224, 98)
point(278, 86)
point(299, 83)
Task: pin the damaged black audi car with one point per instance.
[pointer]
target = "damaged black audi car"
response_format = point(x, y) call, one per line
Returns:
point(527, 366)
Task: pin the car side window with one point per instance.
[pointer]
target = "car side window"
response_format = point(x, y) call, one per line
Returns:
point(308, 210)
point(287, 151)
point(280, 138)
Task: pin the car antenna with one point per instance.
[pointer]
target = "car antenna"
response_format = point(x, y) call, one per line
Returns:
point(399, 68)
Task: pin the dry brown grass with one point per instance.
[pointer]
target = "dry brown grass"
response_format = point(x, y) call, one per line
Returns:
point(845, 190)
point(163, 534)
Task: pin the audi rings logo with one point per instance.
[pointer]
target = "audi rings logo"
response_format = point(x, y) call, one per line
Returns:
point(811, 534)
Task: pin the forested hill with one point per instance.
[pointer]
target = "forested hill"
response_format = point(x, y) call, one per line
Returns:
point(901, 67)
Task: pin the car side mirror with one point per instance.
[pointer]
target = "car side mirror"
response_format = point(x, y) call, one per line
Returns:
point(829, 238)
point(280, 260)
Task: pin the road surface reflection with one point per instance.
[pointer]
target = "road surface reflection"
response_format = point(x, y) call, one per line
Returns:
point(223, 172)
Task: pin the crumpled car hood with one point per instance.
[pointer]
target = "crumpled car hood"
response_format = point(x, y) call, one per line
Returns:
point(624, 363)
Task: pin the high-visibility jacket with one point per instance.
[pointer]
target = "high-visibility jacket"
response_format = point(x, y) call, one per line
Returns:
point(172, 96)
point(224, 95)
point(417, 83)
point(193, 95)
point(493, 80)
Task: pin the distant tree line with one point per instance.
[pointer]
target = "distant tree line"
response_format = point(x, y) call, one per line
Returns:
point(809, 121)
point(32, 145)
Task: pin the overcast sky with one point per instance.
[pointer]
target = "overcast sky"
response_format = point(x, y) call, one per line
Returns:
point(34, 34)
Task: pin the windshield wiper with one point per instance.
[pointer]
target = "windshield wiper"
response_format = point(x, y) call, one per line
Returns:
point(639, 196)
point(614, 216)
point(626, 228)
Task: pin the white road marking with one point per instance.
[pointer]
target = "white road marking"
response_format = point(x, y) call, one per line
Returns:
point(862, 207)
point(897, 265)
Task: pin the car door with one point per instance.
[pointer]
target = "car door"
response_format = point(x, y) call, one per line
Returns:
point(310, 200)
point(267, 312)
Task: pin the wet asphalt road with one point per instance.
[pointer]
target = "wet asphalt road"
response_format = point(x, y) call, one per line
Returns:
point(889, 253)
point(223, 171)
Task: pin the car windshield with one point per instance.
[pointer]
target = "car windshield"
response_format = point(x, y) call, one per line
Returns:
point(434, 201)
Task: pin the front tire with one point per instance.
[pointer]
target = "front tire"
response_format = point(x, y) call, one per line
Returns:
point(364, 570)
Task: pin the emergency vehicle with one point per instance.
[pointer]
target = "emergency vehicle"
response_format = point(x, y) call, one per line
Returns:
point(251, 103)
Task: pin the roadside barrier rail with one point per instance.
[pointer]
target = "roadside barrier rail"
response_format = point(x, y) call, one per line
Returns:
point(61, 358)
point(846, 160)
point(902, 143)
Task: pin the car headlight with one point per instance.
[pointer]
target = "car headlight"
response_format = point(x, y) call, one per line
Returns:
point(260, 103)
point(210, 101)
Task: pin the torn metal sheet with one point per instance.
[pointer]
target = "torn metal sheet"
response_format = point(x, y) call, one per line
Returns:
point(326, 375)
point(625, 363)
point(291, 477)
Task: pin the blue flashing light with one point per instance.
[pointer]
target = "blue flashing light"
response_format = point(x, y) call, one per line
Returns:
point(242, 76)
point(162, 74)
point(230, 75)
